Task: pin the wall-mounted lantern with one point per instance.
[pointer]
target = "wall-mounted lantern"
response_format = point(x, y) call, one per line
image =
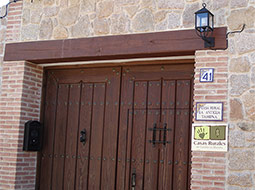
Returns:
point(204, 25)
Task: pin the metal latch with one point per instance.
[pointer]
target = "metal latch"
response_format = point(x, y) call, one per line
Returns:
point(83, 136)
point(133, 180)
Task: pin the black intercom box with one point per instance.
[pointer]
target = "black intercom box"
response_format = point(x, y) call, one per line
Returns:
point(33, 136)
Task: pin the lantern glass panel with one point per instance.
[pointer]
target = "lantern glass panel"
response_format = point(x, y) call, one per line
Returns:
point(211, 21)
point(202, 20)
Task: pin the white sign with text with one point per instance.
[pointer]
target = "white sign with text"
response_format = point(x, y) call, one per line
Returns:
point(209, 111)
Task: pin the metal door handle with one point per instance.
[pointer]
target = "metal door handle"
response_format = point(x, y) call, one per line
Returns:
point(154, 129)
point(165, 129)
point(133, 180)
point(83, 136)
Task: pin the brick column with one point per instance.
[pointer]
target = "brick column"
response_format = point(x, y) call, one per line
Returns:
point(20, 102)
point(209, 168)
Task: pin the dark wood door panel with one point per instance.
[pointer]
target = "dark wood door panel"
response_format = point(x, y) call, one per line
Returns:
point(86, 101)
point(96, 136)
point(60, 137)
point(71, 136)
point(49, 131)
point(118, 117)
point(84, 124)
point(166, 92)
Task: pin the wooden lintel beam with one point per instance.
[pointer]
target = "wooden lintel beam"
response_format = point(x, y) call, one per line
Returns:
point(172, 43)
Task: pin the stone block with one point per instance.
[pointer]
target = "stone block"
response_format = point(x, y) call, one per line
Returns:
point(252, 57)
point(60, 32)
point(160, 15)
point(122, 3)
point(120, 24)
point(249, 98)
point(173, 4)
point(188, 14)
point(220, 16)
point(219, 4)
point(131, 10)
point(238, 3)
point(174, 20)
point(49, 2)
point(26, 16)
point(242, 159)
point(101, 26)
point(250, 137)
point(240, 179)
point(241, 16)
point(30, 32)
point(253, 75)
point(68, 16)
point(51, 11)
point(236, 139)
point(245, 43)
point(236, 110)
point(105, 8)
point(46, 29)
point(63, 3)
point(2, 34)
point(143, 21)
point(1, 48)
point(240, 65)
point(250, 112)
point(148, 4)
point(74, 2)
point(162, 26)
point(246, 126)
point(239, 84)
point(36, 16)
point(231, 46)
point(230, 187)
point(82, 28)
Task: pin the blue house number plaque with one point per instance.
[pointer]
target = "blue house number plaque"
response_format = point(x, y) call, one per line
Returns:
point(206, 75)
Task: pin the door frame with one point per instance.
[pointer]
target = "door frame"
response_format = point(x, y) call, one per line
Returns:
point(122, 64)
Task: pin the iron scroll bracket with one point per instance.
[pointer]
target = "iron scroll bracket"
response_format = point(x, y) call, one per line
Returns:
point(7, 7)
point(233, 32)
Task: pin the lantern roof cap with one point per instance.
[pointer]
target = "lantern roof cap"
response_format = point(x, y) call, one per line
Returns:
point(203, 10)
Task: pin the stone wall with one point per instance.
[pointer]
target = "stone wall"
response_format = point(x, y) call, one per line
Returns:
point(61, 19)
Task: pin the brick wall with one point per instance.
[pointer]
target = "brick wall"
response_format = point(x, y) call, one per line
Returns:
point(209, 168)
point(19, 102)
point(14, 21)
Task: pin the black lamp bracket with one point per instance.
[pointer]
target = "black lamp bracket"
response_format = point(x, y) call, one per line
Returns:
point(209, 42)
point(6, 8)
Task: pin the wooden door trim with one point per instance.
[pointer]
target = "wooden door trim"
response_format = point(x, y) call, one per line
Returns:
point(157, 44)
point(122, 64)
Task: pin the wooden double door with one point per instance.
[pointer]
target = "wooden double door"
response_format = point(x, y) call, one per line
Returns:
point(117, 128)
